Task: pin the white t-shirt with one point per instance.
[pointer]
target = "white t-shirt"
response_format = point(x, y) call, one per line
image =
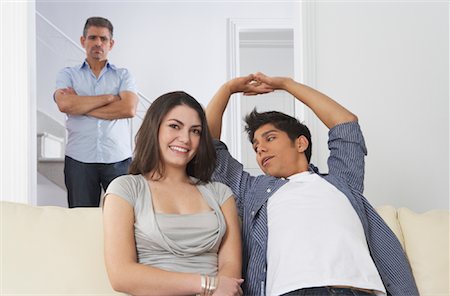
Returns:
point(316, 239)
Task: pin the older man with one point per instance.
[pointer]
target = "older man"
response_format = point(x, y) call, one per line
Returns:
point(99, 99)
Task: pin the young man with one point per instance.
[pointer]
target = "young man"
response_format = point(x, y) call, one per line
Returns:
point(304, 233)
point(99, 100)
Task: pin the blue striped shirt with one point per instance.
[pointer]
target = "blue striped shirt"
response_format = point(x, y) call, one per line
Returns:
point(346, 173)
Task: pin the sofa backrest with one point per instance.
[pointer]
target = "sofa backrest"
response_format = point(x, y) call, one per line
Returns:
point(52, 251)
point(59, 251)
point(425, 239)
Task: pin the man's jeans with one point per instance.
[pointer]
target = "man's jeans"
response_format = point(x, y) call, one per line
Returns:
point(84, 181)
point(327, 291)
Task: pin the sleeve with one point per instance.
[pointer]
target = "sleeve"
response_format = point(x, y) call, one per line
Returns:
point(63, 79)
point(231, 172)
point(124, 187)
point(222, 192)
point(127, 82)
point(347, 152)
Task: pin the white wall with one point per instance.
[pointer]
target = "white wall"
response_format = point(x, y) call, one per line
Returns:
point(168, 46)
point(389, 64)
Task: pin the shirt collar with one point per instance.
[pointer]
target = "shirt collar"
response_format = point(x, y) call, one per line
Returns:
point(107, 65)
point(299, 176)
point(84, 64)
point(312, 169)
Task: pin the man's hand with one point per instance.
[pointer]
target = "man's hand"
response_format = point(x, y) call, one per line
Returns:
point(271, 82)
point(122, 106)
point(248, 85)
point(68, 91)
point(327, 110)
point(229, 286)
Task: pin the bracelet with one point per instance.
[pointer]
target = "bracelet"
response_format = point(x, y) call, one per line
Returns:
point(213, 283)
point(208, 284)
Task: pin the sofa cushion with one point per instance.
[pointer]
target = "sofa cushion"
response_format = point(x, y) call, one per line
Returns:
point(52, 251)
point(427, 246)
point(389, 215)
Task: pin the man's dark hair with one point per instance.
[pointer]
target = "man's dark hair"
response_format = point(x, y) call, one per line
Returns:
point(97, 21)
point(147, 155)
point(292, 126)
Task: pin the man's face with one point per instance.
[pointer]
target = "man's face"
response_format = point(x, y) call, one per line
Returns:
point(97, 43)
point(277, 155)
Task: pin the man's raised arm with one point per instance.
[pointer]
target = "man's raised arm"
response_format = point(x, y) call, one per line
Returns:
point(329, 111)
point(218, 104)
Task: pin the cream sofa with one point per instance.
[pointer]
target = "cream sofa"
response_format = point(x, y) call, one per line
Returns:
point(59, 251)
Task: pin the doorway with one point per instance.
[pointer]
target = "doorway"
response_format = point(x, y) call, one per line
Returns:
point(265, 46)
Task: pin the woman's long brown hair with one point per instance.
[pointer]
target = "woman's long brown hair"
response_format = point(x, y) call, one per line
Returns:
point(147, 155)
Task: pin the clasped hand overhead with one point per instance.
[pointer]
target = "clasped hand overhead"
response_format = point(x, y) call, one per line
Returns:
point(255, 84)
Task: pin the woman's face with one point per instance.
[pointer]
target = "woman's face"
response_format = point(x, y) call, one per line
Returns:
point(179, 136)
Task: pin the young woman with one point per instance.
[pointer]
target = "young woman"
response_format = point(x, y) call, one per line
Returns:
point(168, 229)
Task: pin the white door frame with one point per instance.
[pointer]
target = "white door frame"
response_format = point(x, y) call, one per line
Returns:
point(303, 25)
point(232, 117)
point(18, 102)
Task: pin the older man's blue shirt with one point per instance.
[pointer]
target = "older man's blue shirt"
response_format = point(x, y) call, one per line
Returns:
point(93, 140)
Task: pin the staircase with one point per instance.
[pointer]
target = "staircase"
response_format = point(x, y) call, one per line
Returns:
point(51, 138)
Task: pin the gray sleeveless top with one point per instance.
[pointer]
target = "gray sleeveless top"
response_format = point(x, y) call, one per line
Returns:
point(183, 243)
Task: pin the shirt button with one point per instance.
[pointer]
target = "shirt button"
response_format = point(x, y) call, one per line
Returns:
point(253, 213)
point(268, 190)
